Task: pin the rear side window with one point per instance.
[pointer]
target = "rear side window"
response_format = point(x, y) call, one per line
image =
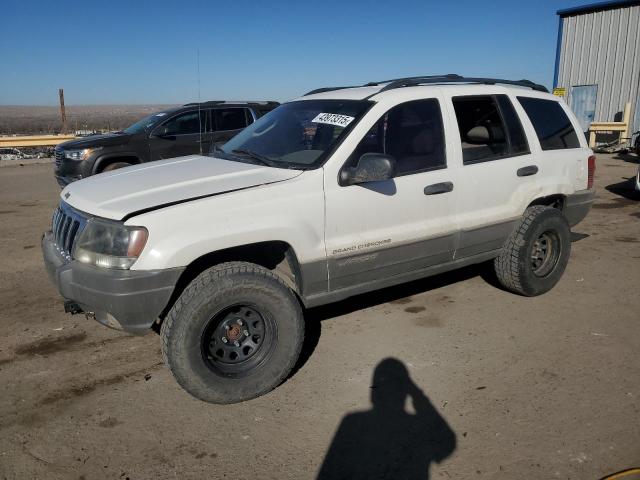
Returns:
point(412, 133)
point(249, 116)
point(489, 128)
point(552, 126)
point(517, 137)
point(230, 119)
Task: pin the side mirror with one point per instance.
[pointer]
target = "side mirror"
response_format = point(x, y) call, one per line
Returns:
point(372, 167)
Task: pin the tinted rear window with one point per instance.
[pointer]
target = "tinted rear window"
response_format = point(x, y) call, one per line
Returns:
point(551, 124)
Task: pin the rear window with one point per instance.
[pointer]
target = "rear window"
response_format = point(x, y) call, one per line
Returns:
point(551, 123)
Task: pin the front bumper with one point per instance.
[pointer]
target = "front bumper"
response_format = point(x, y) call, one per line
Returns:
point(67, 171)
point(577, 206)
point(63, 180)
point(129, 300)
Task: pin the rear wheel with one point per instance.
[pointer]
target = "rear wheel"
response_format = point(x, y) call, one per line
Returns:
point(234, 334)
point(115, 166)
point(536, 254)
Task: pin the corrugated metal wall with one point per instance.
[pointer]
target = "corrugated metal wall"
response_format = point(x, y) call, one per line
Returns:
point(603, 48)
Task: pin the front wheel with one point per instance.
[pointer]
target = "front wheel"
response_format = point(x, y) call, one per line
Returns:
point(536, 254)
point(234, 334)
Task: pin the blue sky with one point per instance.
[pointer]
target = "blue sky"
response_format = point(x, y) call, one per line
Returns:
point(123, 52)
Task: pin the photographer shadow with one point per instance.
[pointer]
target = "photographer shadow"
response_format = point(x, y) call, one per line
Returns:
point(387, 442)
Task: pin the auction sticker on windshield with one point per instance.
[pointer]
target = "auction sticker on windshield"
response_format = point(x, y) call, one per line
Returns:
point(333, 119)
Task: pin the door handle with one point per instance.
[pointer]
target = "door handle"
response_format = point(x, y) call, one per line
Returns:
point(437, 188)
point(528, 170)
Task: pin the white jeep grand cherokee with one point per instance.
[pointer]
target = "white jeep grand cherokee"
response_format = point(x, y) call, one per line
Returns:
point(340, 192)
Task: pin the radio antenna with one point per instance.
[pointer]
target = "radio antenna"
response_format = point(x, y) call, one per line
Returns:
point(199, 113)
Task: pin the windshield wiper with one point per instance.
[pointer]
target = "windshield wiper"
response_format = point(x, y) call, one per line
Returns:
point(256, 156)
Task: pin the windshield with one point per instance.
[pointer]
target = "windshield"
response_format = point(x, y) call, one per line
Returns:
point(147, 122)
point(296, 134)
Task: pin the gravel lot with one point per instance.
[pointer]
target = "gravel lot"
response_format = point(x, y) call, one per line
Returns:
point(498, 386)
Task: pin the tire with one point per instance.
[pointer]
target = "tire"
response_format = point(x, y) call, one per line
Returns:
point(536, 254)
point(230, 301)
point(115, 166)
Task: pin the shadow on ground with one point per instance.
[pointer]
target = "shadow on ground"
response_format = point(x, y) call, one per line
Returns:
point(314, 316)
point(627, 157)
point(387, 441)
point(625, 189)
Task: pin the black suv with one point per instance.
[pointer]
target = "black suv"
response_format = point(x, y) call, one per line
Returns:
point(190, 129)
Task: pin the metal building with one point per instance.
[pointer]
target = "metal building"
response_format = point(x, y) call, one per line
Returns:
point(598, 61)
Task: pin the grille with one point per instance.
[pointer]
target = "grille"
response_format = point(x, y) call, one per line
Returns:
point(66, 226)
point(58, 156)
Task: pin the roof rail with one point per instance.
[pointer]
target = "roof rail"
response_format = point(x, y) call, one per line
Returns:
point(453, 78)
point(211, 102)
point(239, 102)
point(435, 79)
point(421, 77)
point(326, 89)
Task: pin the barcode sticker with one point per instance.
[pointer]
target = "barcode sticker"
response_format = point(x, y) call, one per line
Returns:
point(333, 119)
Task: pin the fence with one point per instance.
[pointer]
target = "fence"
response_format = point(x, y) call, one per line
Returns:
point(34, 140)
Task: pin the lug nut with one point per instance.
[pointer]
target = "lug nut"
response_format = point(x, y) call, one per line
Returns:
point(226, 327)
point(239, 322)
point(236, 343)
point(246, 333)
point(224, 340)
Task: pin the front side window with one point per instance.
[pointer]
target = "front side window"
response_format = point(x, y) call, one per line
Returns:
point(296, 134)
point(187, 123)
point(412, 133)
point(146, 123)
point(552, 126)
point(230, 118)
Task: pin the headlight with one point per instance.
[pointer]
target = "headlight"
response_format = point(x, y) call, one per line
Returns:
point(110, 244)
point(78, 154)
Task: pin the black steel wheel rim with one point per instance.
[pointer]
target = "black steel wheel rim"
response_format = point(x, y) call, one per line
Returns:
point(545, 253)
point(237, 339)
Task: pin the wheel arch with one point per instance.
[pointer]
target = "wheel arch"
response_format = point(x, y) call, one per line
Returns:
point(105, 160)
point(555, 201)
point(275, 255)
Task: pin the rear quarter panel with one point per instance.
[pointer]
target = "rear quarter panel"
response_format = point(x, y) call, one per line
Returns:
point(560, 171)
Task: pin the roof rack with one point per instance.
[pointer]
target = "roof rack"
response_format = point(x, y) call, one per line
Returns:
point(327, 89)
point(227, 102)
point(453, 78)
point(436, 79)
point(211, 102)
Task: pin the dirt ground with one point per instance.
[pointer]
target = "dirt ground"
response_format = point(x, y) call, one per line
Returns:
point(498, 386)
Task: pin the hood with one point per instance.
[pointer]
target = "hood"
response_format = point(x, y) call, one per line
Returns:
point(91, 141)
point(121, 193)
